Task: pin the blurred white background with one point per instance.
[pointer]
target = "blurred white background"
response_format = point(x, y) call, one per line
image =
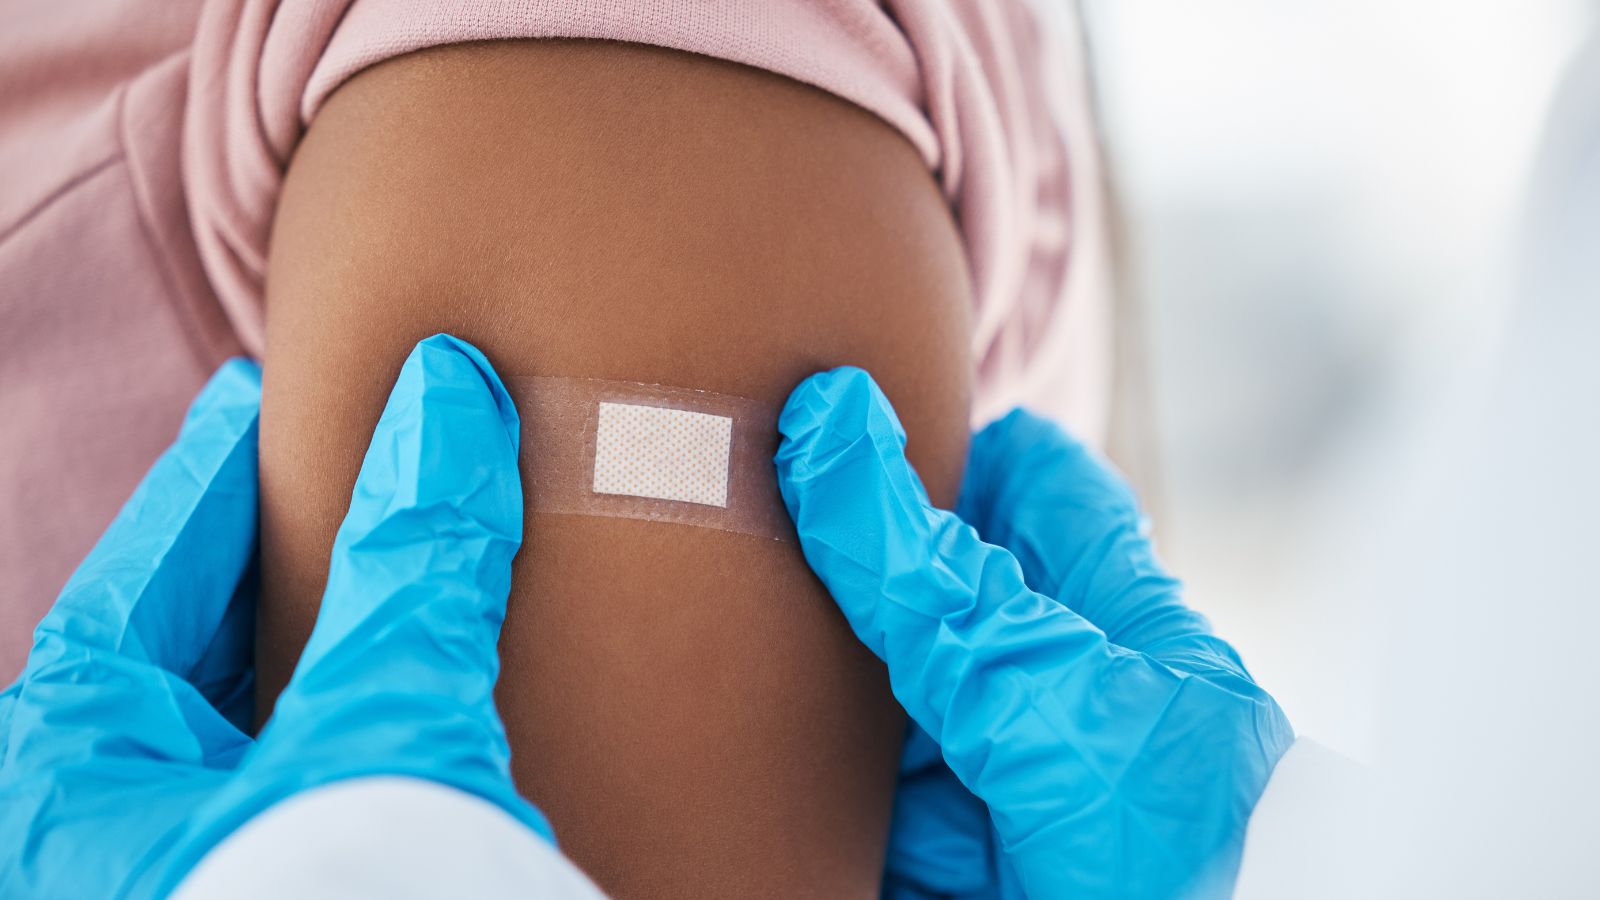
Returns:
point(1319, 202)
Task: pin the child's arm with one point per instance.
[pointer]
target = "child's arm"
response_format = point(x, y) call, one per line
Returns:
point(687, 705)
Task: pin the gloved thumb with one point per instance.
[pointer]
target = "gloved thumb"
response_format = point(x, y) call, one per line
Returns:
point(398, 676)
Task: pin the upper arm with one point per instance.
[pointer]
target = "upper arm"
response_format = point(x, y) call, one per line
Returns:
point(685, 703)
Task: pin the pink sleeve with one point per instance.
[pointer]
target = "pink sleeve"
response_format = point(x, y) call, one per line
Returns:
point(960, 81)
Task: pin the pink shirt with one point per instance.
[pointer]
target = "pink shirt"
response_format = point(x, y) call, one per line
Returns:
point(142, 147)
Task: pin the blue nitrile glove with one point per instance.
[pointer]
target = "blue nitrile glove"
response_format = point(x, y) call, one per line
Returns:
point(1112, 745)
point(118, 772)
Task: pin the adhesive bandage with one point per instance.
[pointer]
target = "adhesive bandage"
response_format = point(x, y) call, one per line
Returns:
point(643, 451)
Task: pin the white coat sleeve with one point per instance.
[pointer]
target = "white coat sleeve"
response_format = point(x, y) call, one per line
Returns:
point(389, 837)
point(1307, 837)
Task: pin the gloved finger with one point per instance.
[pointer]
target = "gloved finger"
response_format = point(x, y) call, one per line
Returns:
point(110, 660)
point(1021, 450)
point(1035, 712)
point(399, 673)
point(919, 588)
point(1075, 526)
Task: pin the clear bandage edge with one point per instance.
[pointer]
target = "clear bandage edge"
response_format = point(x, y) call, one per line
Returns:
point(593, 447)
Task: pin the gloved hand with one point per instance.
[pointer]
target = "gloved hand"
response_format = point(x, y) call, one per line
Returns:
point(1080, 732)
point(124, 761)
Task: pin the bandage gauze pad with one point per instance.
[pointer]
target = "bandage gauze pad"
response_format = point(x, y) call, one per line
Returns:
point(644, 451)
point(661, 453)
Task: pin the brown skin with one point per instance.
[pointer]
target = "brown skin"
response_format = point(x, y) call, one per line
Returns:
point(686, 705)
